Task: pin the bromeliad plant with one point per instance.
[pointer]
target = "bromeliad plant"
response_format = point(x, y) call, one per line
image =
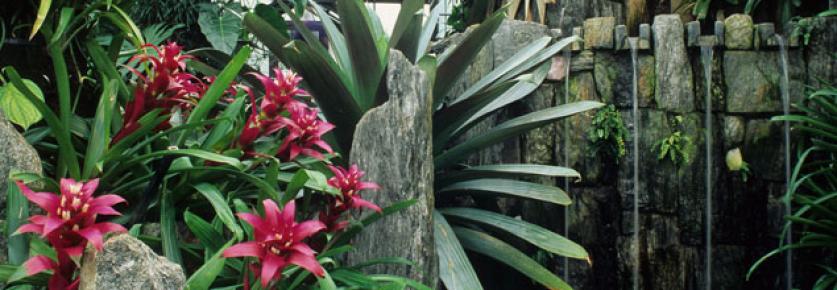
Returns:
point(194, 151)
point(351, 81)
point(812, 189)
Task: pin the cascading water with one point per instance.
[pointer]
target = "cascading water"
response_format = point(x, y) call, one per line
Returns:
point(635, 112)
point(784, 84)
point(566, 135)
point(706, 52)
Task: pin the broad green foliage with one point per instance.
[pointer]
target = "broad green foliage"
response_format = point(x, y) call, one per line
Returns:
point(220, 26)
point(345, 82)
point(17, 109)
point(676, 146)
point(608, 133)
point(812, 188)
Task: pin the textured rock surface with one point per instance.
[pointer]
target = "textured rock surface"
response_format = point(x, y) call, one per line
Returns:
point(754, 85)
point(738, 31)
point(598, 33)
point(674, 88)
point(127, 263)
point(821, 62)
point(614, 78)
point(392, 144)
point(15, 154)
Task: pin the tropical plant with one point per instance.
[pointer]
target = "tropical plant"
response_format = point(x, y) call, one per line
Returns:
point(735, 162)
point(812, 187)
point(676, 146)
point(179, 146)
point(349, 83)
point(608, 133)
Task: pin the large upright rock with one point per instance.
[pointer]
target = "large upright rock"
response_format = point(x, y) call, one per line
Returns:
point(15, 154)
point(753, 80)
point(674, 89)
point(127, 263)
point(393, 144)
point(738, 32)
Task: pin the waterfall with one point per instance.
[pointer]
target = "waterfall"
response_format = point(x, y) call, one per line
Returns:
point(566, 137)
point(635, 112)
point(706, 58)
point(785, 90)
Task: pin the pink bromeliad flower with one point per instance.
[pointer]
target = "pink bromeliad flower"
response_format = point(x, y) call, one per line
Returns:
point(280, 92)
point(278, 242)
point(305, 131)
point(349, 183)
point(69, 225)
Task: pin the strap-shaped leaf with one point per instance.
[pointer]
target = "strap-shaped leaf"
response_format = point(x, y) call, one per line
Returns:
point(506, 170)
point(455, 270)
point(221, 207)
point(168, 228)
point(97, 145)
point(210, 238)
point(454, 62)
point(534, 234)
point(368, 63)
point(480, 106)
point(492, 247)
point(206, 274)
point(335, 38)
point(516, 188)
point(511, 128)
point(428, 29)
point(407, 27)
point(540, 57)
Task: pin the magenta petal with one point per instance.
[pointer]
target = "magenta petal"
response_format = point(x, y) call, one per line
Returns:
point(106, 200)
point(359, 202)
point(88, 188)
point(51, 224)
point(29, 228)
point(302, 249)
point(107, 227)
point(92, 235)
point(289, 213)
point(104, 210)
point(368, 185)
point(70, 186)
point(245, 249)
point(45, 200)
point(38, 264)
point(254, 220)
point(74, 251)
point(271, 265)
point(306, 229)
point(308, 262)
point(271, 212)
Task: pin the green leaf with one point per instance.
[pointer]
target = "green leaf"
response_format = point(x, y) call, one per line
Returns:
point(206, 234)
point(216, 138)
point(455, 269)
point(534, 234)
point(203, 277)
point(368, 63)
point(43, 10)
point(511, 128)
point(17, 213)
point(428, 29)
point(17, 108)
point(335, 38)
point(106, 67)
point(507, 170)
point(455, 61)
point(407, 29)
point(222, 209)
point(168, 228)
point(216, 90)
point(272, 16)
point(495, 186)
point(198, 153)
point(492, 247)
point(97, 145)
point(221, 28)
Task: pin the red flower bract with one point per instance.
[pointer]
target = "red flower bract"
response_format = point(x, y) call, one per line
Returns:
point(305, 131)
point(69, 225)
point(349, 183)
point(278, 242)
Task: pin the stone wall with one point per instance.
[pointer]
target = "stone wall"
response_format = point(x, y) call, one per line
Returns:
point(745, 94)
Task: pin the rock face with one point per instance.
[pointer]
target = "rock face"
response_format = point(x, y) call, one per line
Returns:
point(127, 263)
point(598, 32)
point(392, 144)
point(754, 87)
point(15, 154)
point(738, 32)
point(674, 87)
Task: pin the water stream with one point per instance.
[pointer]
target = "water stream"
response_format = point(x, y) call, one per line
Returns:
point(635, 111)
point(566, 137)
point(706, 52)
point(784, 84)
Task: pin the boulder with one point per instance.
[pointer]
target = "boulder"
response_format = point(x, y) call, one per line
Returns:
point(15, 154)
point(393, 145)
point(127, 263)
point(598, 33)
point(752, 80)
point(738, 32)
point(674, 89)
